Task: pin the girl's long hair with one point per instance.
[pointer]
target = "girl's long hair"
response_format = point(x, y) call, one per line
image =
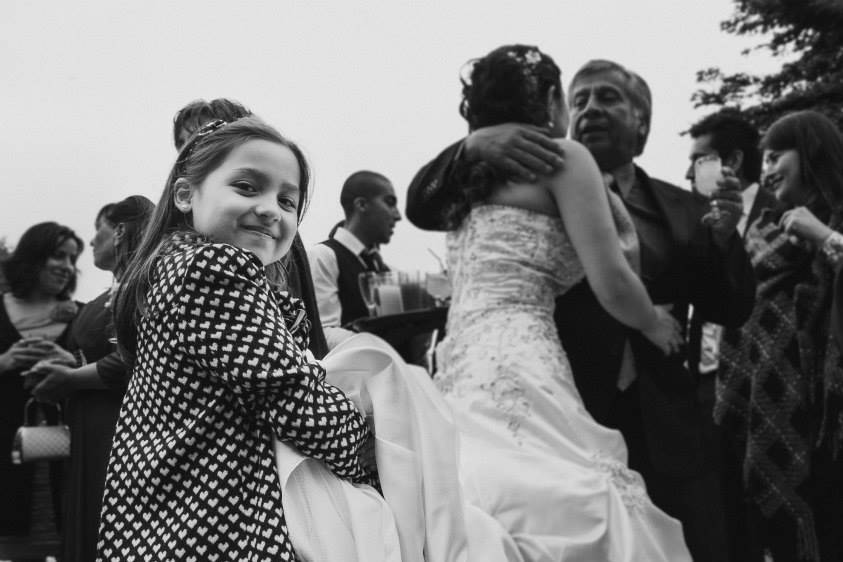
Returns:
point(204, 153)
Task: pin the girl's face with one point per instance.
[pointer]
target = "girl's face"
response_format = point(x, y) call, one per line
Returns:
point(103, 245)
point(250, 200)
point(59, 268)
point(782, 176)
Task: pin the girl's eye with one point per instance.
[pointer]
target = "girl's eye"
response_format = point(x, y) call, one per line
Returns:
point(287, 202)
point(244, 186)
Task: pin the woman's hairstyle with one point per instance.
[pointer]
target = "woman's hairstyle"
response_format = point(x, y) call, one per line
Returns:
point(133, 213)
point(819, 145)
point(198, 158)
point(509, 85)
point(37, 244)
point(101, 215)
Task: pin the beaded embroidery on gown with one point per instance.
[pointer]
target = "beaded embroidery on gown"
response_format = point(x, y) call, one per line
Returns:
point(530, 454)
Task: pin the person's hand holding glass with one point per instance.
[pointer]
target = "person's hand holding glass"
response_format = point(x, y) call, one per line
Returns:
point(719, 184)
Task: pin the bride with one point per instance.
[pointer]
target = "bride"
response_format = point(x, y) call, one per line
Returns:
point(531, 455)
point(509, 467)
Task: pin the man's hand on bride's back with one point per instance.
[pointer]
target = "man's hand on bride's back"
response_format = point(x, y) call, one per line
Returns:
point(666, 332)
point(523, 150)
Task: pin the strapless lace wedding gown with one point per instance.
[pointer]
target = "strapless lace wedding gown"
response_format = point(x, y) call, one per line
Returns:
point(530, 454)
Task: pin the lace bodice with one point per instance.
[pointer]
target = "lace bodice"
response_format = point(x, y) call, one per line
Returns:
point(508, 256)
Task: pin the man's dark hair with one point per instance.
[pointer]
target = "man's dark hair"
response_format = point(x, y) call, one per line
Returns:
point(364, 184)
point(730, 131)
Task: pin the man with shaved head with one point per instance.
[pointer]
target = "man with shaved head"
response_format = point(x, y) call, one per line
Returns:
point(370, 207)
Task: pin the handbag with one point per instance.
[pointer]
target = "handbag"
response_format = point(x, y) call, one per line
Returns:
point(40, 441)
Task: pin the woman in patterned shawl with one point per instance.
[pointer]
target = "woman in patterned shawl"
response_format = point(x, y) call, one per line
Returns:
point(219, 362)
point(780, 390)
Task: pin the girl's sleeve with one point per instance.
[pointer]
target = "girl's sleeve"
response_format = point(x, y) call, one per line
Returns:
point(232, 327)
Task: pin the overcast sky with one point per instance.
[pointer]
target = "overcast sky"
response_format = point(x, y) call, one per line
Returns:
point(89, 89)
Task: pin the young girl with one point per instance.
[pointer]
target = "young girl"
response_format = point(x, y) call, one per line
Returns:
point(218, 361)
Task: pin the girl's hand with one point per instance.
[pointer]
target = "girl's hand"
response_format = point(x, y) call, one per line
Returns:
point(666, 333)
point(801, 224)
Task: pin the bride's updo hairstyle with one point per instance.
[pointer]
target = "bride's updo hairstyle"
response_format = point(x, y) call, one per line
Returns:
point(509, 85)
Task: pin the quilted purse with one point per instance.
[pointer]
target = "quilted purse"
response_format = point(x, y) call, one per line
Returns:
point(40, 441)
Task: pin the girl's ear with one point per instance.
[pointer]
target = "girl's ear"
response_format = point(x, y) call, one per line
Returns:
point(183, 195)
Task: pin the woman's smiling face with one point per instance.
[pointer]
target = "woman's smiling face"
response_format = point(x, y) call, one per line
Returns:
point(782, 175)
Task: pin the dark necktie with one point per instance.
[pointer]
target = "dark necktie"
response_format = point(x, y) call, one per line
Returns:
point(373, 261)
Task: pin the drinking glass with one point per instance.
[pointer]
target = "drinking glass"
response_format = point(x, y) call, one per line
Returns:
point(388, 294)
point(413, 295)
point(366, 282)
point(438, 286)
point(707, 170)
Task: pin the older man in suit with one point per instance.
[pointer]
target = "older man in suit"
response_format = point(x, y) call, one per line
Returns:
point(686, 260)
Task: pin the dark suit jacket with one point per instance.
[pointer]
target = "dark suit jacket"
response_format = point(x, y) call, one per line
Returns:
point(719, 284)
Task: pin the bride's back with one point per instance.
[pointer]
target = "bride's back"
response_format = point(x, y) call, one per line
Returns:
point(506, 256)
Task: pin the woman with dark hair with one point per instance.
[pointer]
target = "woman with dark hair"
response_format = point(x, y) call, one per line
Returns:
point(780, 387)
point(41, 273)
point(531, 455)
point(92, 387)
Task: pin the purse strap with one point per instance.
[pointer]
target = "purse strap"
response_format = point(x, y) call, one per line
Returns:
point(30, 413)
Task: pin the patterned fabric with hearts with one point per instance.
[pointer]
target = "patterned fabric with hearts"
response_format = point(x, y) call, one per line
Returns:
point(192, 471)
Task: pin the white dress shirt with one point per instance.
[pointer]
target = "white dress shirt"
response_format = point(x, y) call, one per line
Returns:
point(326, 272)
point(748, 195)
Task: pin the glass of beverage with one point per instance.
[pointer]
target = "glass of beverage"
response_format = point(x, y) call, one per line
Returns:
point(366, 282)
point(388, 294)
point(438, 286)
point(707, 171)
point(413, 295)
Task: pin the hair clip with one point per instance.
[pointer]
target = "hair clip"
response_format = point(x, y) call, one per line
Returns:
point(201, 132)
point(209, 128)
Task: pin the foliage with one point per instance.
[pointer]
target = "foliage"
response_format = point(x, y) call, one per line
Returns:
point(809, 35)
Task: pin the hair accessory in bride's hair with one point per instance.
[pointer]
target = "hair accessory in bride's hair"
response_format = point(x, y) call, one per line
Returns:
point(529, 61)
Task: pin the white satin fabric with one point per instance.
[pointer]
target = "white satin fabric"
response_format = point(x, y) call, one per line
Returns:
point(531, 455)
point(422, 516)
point(508, 466)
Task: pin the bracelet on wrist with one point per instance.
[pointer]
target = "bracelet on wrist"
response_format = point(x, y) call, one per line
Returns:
point(81, 360)
point(832, 248)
